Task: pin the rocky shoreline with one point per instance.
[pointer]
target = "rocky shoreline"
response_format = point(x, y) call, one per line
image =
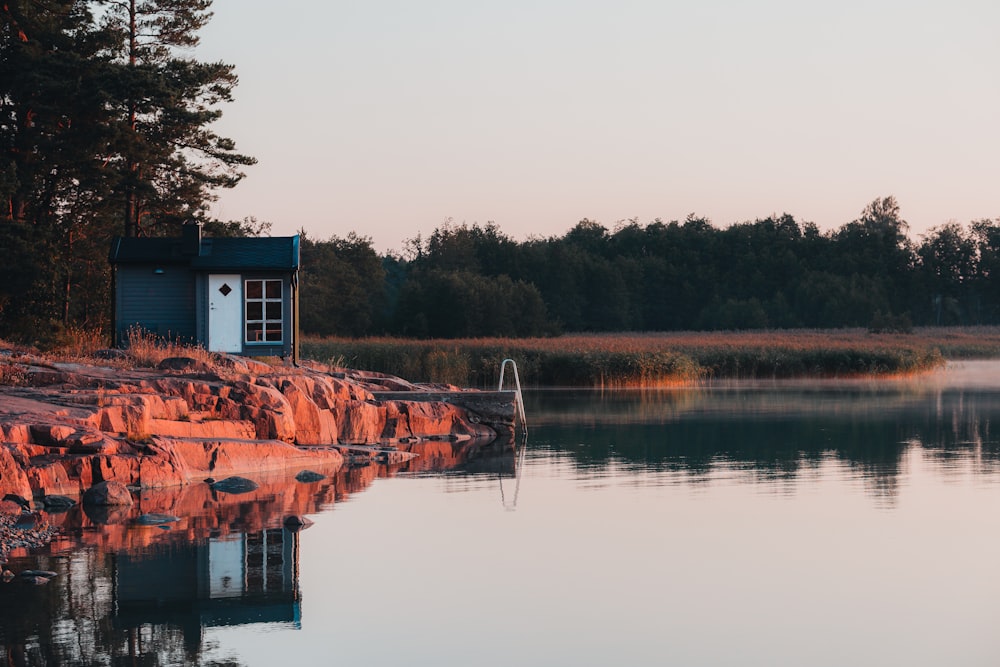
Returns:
point(66, 426)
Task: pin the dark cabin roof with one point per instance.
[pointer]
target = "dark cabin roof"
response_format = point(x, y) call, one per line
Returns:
point(276, 253)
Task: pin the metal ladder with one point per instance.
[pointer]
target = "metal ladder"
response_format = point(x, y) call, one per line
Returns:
point(517, 384)
point(510, 504)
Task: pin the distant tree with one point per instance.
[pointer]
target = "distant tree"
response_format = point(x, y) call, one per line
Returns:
point(986, 235)
point(456, 304)
point(342, 286)
point(876, 246)
point(947, 274)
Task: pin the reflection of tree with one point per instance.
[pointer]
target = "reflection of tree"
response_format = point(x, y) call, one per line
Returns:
point(150, 608)
point(773, 433)
point(69, 621)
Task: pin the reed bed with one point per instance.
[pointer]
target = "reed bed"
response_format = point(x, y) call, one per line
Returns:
point(660, 359)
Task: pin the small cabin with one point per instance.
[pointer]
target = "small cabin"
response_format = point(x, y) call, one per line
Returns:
point(235, 295)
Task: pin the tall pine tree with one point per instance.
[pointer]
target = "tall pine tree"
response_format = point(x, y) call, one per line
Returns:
point(169, 160)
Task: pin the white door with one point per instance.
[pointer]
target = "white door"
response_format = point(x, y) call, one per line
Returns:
point(225, 313)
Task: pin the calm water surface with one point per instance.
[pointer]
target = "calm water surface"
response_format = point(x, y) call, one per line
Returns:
point(770, 524)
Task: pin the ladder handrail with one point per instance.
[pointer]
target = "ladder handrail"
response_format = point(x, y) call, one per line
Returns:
point(511, 504)
point(517, 384)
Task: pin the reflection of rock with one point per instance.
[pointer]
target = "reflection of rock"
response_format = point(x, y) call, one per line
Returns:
point(105, 515)
point(48, 574)
point(203, 513)
point(155, 519)
point(296, 523)
point(29, 521)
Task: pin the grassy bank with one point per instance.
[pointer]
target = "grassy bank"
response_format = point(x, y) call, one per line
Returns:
point(660, 359)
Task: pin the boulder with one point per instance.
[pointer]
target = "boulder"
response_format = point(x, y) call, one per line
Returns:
point(20, 500)
point(108, 493)
point(308, 476)
point(57, 503)
point(235, 485)
point(89, 442)
point(184, 365)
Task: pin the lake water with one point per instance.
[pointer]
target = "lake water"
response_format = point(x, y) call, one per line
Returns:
point(795, 523)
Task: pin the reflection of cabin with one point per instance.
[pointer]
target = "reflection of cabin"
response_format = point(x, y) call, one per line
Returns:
point(248, 578)
point(235, 295)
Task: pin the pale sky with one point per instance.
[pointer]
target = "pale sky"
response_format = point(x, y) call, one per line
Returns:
point(388, 117)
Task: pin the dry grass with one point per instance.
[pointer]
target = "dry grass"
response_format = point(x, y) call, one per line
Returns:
point(143, 350)
point(662, 359)
point(83, 343)
point(147, 350)
point(14, 361)
point(12, 374)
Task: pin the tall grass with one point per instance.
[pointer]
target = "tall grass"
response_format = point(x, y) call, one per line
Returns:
point(143, 349)
point(147, 350)
point(654, 360)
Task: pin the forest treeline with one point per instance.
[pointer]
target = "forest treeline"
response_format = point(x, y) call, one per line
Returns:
point(473, 280)
point(106, 129)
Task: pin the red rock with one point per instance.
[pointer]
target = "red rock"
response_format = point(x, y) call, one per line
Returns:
point(18, 433)
point(51, 478)
point(123, 469)
point(153, 430)
point(50, 434)
point(12, 476)
point(215, 428)
point(360, 421)
point(268, 409)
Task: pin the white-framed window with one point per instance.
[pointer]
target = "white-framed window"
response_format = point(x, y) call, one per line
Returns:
point(263, 305)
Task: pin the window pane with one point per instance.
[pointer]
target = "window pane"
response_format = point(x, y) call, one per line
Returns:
point(254, 289)
point(255, 310)
point(255, 332)
point(273, 333)
point(273, 289)
point(274, 310)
